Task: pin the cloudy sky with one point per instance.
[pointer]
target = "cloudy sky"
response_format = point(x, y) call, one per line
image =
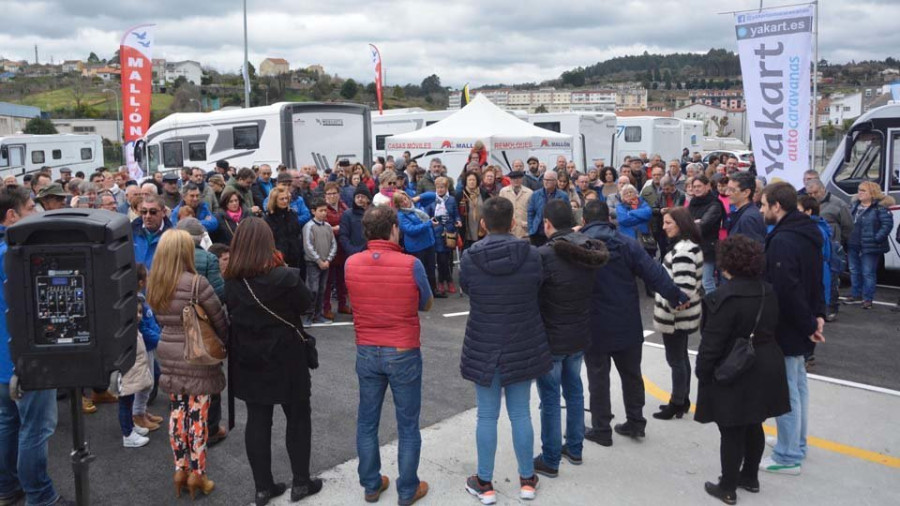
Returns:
point(488, 41)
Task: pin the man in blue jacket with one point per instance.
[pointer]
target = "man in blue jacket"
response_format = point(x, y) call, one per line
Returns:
point(148, 228)
point(536, 207)
point(190, 194)
point(26, 424)
point(747, 219)
point(794, 267)
point(617, 330)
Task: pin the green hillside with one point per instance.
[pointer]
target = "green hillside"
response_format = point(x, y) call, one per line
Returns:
point(64, 98)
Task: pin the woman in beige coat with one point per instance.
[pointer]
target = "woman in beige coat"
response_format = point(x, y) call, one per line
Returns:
point(189, 386)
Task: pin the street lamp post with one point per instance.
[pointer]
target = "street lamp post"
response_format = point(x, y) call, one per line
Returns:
point(118, 121)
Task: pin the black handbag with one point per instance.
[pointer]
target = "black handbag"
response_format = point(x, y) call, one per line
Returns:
point(648, 242)
point(312, 355)
point(742, 355)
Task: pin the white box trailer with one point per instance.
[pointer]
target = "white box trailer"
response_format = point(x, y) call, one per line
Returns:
point(651, 135)
point(869, 152)
point(295, 134)
point(27, 154)
point(593, 136)
point(692, 135)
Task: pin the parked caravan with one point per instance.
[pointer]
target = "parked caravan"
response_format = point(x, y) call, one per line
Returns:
point(593, 135)
point(295, 134)
point(649, 134)
point(692, 135)
point(27, 154)
point(401, 121)
point(870, 152)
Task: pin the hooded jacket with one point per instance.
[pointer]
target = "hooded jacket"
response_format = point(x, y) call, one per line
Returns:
point(615, 304)
point(350, 236)
point(794, 268)
point(708, 209)
point(569, 260)
point(504, 333)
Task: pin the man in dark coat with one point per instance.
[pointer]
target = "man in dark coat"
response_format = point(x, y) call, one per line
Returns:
point(707, 211)
point(794, 267)
point(747, 219)
point(351, 236)
point(505, 347)
point(569, 260)
point(617, 330)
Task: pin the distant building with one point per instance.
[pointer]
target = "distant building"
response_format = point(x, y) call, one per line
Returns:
point(726, 99)
point(712, 116)
point(890, 74)
point(13, 117)
point(316, 69)
point(631, 99)
point(104, 72)
point(72, 66)
point(843, 107)
point(271, 67)
point(105, 128)
point(166, 72)
point(549, 99)
point(13, 66)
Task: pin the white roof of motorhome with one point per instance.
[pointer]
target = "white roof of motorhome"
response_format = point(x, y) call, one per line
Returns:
point(200, 118)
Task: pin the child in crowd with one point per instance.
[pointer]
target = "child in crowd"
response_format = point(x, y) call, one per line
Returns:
point(320, 248)
point(150, 331)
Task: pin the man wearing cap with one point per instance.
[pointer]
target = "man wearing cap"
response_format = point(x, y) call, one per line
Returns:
point(221, 169)
point(287, 181)
point(519, 195)
point(65, 175)
point(532, 179)
point(170, 196)
point(51, 198)
point(191, 198)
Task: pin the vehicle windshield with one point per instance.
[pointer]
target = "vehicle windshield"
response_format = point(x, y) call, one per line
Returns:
point(864, 165)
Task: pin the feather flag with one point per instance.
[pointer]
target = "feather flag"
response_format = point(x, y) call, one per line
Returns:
point(376, 60)
point(464, 99)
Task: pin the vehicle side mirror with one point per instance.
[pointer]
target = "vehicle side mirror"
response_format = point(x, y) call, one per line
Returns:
point(848, 146)
point(4, 152)
point(852, 135)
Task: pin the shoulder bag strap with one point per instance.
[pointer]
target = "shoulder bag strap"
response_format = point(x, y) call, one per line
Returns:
point(282, 320)
point(762, 303)
point(195, 289)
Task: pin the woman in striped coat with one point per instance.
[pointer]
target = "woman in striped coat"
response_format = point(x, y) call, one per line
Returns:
point(684, 264)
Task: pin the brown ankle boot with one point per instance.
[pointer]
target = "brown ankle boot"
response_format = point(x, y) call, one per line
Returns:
point(143, 421)
point(180, 479)
point(199, 482)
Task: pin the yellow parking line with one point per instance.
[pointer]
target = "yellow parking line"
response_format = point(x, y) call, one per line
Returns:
point(851, 451)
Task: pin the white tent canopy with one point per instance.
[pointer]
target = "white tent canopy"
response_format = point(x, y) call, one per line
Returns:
point(483, 121)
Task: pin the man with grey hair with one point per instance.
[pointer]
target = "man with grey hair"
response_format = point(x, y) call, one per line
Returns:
point(836, 213)
point(808, 175)
point(536, 205)
point(376, 170)
point(426, 182)
point(675, 175)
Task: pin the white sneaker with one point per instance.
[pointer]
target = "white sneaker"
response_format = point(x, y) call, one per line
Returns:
point(769, 465)
point(141, 430)
point(771, 441)
point(134, 440)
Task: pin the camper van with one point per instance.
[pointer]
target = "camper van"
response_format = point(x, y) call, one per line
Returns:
point(692, 135)
point(295, 134)
point(401, 121)
point(593, 135)
point(870, 152)
point(651, 135)
point(26, 154)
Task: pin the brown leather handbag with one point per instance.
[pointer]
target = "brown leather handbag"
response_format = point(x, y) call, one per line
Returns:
point(202, 345)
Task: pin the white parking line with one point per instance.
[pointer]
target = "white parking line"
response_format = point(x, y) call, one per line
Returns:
point(451, 315)
point(825, 379)
point(889, 286)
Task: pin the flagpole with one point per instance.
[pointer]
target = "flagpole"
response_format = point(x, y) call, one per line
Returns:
point(246, 62)
point(815, 109)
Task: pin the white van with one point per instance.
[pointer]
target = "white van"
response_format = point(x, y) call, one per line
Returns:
point(692, 135)
point(649, 134)
point(593, 136)
point(870, 152)
point(295, 134)
point(27, 154)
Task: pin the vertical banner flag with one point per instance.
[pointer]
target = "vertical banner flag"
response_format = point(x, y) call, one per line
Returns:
point(376, 60)
point(775, 48)
point(135, 58)
point(464, 97)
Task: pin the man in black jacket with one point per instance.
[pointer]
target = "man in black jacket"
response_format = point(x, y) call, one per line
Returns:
point(569, 259)
point(617, 332)
point(747, 219)
point(794, 267)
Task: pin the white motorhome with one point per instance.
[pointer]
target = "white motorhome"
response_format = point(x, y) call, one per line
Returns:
point(692, 135)
point(593, 135)
point(870, 152)
point(27, 154)
point(295, 134)
point(649, 134)
point(401, 121)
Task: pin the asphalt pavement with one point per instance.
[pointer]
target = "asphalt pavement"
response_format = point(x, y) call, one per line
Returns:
point(861, 347)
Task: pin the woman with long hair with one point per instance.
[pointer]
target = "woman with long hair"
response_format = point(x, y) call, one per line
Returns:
point(282, 219)
point(744, 306)
point(189, 386)
point(872, 224)
point(684, 264)
point(230, 214)
point(268, 362)
point(470, 198)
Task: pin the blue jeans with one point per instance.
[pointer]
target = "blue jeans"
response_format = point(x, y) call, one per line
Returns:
point(126, 422)
point(377, 367)
point(25, 427)
point(863, 270)
point(518, 397)
point(566, 373)
point(709, 277)
point(791, 446)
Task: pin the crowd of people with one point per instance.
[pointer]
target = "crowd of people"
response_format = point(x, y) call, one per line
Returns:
point(549, 258)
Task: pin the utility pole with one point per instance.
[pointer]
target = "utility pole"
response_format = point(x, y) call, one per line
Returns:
point(36, 62)
point(246, 62)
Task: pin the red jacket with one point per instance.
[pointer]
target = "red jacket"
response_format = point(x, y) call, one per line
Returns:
point(382, 288)
point(333, 218)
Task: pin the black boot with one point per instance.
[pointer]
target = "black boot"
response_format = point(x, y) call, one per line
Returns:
point(263, 498)
point(716, 491)
point(670, 411)
point(312, 487)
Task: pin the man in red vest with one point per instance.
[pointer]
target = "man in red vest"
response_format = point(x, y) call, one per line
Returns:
point(387, 350)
